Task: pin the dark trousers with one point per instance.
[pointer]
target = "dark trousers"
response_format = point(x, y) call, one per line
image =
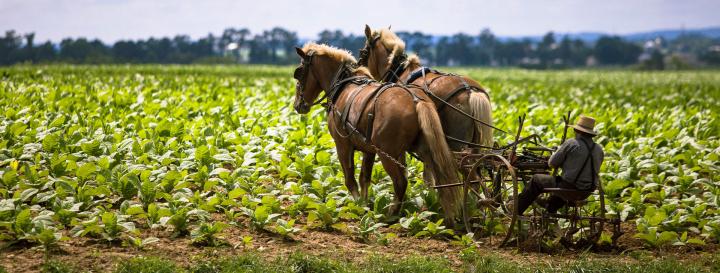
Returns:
point(535, 188)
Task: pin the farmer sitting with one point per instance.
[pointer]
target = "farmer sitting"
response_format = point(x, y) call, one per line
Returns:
point(580, 159)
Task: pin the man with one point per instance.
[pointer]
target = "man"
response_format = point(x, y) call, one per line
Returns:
point(579, 158)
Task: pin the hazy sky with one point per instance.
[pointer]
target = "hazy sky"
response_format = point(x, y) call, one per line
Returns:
point(111, 20)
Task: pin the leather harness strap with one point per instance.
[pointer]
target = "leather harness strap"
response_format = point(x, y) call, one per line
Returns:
point(349, 103)
point(592, 164)
point(443, 101)
point(396, 69)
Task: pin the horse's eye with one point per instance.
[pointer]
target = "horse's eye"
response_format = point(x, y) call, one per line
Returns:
point(297, 73)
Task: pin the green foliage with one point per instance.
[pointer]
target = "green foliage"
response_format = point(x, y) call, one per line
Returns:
point(141, 243)
point(206, 234)
point(368, 227)
point(103, 150)
point(417, 222)
point(55, 266)
point(286, 229)
point(260, 216)
point(147, 264)
point(324, 214)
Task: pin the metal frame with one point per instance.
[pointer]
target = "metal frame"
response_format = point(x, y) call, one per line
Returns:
point(504, 167)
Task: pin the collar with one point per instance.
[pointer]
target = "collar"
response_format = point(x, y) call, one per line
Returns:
point(342, 77)
point(397, 67)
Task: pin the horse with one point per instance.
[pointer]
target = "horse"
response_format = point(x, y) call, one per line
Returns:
point(384, 119)
point(463, 105)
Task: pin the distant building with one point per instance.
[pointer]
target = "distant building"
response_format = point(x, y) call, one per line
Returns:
point(649, 47)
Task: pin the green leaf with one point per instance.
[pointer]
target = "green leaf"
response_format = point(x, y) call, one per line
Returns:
point(86, 170)
point(17, 128)
point(23, 222)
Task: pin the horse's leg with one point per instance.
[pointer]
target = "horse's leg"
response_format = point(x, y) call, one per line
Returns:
point(366, 174)
point(397, 173)
point(428, 175)
point(346, 157)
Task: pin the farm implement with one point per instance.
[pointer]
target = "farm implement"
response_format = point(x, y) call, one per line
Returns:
point(494, 177)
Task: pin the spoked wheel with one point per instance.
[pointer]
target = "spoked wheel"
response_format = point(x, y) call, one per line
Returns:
point(489, 195)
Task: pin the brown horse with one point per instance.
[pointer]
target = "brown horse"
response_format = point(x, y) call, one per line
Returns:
point(463, 99)
point(374, 118)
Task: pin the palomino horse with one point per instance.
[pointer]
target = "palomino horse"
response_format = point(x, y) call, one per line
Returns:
point(464, 106)
point(374, 118)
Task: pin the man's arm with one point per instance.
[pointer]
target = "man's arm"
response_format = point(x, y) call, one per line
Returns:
point(557, 159)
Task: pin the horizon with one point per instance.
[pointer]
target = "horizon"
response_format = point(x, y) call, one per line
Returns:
point(114, 20)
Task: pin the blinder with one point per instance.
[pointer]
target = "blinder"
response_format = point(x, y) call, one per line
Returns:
point(365, 52)
point(301, 73)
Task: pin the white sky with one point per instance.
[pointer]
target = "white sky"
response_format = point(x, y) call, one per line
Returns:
point(111, 20)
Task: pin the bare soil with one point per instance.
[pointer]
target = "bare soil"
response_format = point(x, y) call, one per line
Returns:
point(100, 256)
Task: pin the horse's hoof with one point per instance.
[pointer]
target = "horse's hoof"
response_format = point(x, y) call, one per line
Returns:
point(356, 196)
point(394, 210)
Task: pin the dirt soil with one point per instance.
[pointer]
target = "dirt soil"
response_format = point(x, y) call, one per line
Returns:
point(99, 256)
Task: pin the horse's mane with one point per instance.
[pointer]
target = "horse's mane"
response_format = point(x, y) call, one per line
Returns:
point(335, 53)
point(397, 46)
point(414, 60)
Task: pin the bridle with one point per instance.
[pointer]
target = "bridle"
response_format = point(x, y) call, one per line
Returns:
point(365, 52)
point(302, 79)
point(396, 67)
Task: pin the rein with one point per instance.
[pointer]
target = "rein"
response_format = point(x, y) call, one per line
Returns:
point(397, 68)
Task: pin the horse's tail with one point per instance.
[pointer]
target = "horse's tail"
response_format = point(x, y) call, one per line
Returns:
point(444, 166)
point(481, 109)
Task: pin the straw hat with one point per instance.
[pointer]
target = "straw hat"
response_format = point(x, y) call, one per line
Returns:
point(585, 124)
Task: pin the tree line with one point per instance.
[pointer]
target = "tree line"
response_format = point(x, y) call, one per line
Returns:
point(275, 46)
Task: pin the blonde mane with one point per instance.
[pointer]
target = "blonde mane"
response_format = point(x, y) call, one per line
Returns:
point(335, 53)
point(391, 41)
point(414, 60)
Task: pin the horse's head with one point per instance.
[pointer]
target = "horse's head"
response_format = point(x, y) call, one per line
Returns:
point(381, 46)
point(308, 86)
point(319, 70)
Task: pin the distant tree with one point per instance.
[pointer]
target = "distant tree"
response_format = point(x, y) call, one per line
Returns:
point(128, 52)
point(259, 49)
point(711, 57)
point(418, 43)
point(546, 50)
point(512, 52)
point(572, 52)
point(486, 47)
point(612, 50)
point(338, 39)
point(655, 62)
point(45, 52)
point(10, 46)
point(456, 50)
point(84, 51)
point(240, 37)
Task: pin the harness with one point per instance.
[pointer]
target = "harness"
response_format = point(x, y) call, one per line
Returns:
point(350, 122)
point(423, 71)
point(397, 68)
point(399, 64)
point(420, 72)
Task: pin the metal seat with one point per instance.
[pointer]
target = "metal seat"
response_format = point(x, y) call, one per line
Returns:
point(574, 197)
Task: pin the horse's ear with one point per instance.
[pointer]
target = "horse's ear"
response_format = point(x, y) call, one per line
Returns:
point(368, 32)
point(389, 27)
point(300, 52)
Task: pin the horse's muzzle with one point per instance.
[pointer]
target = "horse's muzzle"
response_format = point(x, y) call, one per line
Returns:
point(301, 107)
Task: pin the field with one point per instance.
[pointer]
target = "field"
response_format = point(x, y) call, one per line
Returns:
point(191, 164)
